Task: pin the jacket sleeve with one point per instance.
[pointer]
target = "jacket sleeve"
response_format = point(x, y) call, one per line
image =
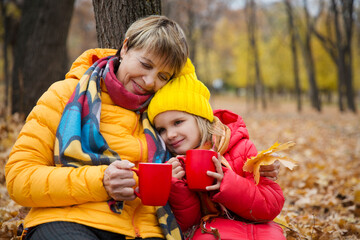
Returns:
point(239, 193)
point(32, 178)
point(185, 204)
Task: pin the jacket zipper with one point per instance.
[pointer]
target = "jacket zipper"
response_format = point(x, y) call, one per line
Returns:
point(136, 229)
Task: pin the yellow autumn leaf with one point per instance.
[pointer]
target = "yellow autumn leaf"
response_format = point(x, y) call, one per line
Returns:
point(268, 157)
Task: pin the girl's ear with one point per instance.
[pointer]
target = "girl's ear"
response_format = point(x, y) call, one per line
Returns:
point(124, 48)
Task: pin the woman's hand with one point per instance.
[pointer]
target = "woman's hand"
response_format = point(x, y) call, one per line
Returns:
point(218, 175)
point(270, 171)
point(177, 169)
point(119, 180)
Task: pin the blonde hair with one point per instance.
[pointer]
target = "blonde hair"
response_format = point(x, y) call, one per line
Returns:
point(207, 129)
point(161, 36)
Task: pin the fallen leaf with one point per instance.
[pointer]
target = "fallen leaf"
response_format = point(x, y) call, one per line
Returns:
point(268, 157)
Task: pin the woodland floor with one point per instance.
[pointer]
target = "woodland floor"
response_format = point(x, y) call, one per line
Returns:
point(322, 193)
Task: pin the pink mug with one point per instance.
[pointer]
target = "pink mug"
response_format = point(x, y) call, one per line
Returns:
point(197, 163)
point(154, 183)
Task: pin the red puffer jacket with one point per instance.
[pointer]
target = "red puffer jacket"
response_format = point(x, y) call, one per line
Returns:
point(238, 193)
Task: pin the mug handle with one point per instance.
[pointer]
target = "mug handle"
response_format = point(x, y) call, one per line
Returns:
point(182, 160)
point(137, 173)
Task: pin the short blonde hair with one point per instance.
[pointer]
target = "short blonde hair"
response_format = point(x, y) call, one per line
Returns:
point(161, 36)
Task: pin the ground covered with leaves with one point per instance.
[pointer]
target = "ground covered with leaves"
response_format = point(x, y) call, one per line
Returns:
point(322, 193)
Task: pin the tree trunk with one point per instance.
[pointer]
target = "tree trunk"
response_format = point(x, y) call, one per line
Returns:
point(258, 86)
point(191, 30)
point(5, 21)
point(339, 49)
point(11, 26)
point(309, 62)
point(339, 57)
point(113, 17)
point(294, 52)
point(348, 10)
point(40, 55)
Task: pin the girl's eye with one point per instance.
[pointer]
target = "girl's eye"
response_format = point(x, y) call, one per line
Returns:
point(160, 130)
point(178, 122)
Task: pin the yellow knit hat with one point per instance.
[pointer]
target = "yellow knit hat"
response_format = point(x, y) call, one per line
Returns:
point(183, 93)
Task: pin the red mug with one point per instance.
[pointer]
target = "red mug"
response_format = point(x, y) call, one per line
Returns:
point(197, 163)
point(154, 183)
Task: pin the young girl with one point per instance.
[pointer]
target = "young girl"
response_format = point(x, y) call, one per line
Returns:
point(235, 207)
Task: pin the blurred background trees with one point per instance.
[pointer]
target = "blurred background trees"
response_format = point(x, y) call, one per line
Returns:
point(305, 51)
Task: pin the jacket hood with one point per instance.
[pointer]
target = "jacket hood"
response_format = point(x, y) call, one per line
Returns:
point(86, 59)
point(235, 123)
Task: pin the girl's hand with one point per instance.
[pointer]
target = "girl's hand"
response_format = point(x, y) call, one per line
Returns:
point(119, 180)
point(270, 171)
point(218, 175)
point(177, 169)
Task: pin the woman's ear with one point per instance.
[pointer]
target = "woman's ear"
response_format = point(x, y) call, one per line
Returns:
point(124, 48)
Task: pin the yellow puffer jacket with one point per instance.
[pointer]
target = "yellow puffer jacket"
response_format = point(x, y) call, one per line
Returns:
point(76, 194)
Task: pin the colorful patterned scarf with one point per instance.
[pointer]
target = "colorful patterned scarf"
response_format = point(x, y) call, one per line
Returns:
point(79, 141)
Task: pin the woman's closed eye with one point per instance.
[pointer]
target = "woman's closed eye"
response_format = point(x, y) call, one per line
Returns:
point(146, 65)
point(163, 77)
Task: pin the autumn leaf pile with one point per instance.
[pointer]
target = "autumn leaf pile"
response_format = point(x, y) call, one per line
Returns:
point(322, 192)
point(11, 214)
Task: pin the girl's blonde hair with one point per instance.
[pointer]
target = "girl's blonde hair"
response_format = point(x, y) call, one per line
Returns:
point(162, 37)
point(208, 129)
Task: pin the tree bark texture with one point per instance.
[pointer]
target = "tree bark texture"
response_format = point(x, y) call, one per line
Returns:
point(113, 17)
point(40, 55)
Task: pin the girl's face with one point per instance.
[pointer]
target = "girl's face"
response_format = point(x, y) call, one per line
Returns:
point(179, 130)
point(142, 72)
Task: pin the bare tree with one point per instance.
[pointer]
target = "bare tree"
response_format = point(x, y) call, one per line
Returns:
point(251, 24)
point(291, 27)
point(306, 48)
point(113, 17)
point(340, 48)
point(40, 54)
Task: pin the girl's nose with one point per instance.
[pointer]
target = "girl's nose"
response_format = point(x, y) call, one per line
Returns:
point(171, 134)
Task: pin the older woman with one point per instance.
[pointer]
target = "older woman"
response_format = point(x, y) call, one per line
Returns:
point(64, 163)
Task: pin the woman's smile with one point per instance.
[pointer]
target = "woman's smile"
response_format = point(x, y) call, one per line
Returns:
point(138, 90)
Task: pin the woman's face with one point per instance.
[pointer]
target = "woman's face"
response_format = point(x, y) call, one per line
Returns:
point(142, 72)
point(179, 130)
